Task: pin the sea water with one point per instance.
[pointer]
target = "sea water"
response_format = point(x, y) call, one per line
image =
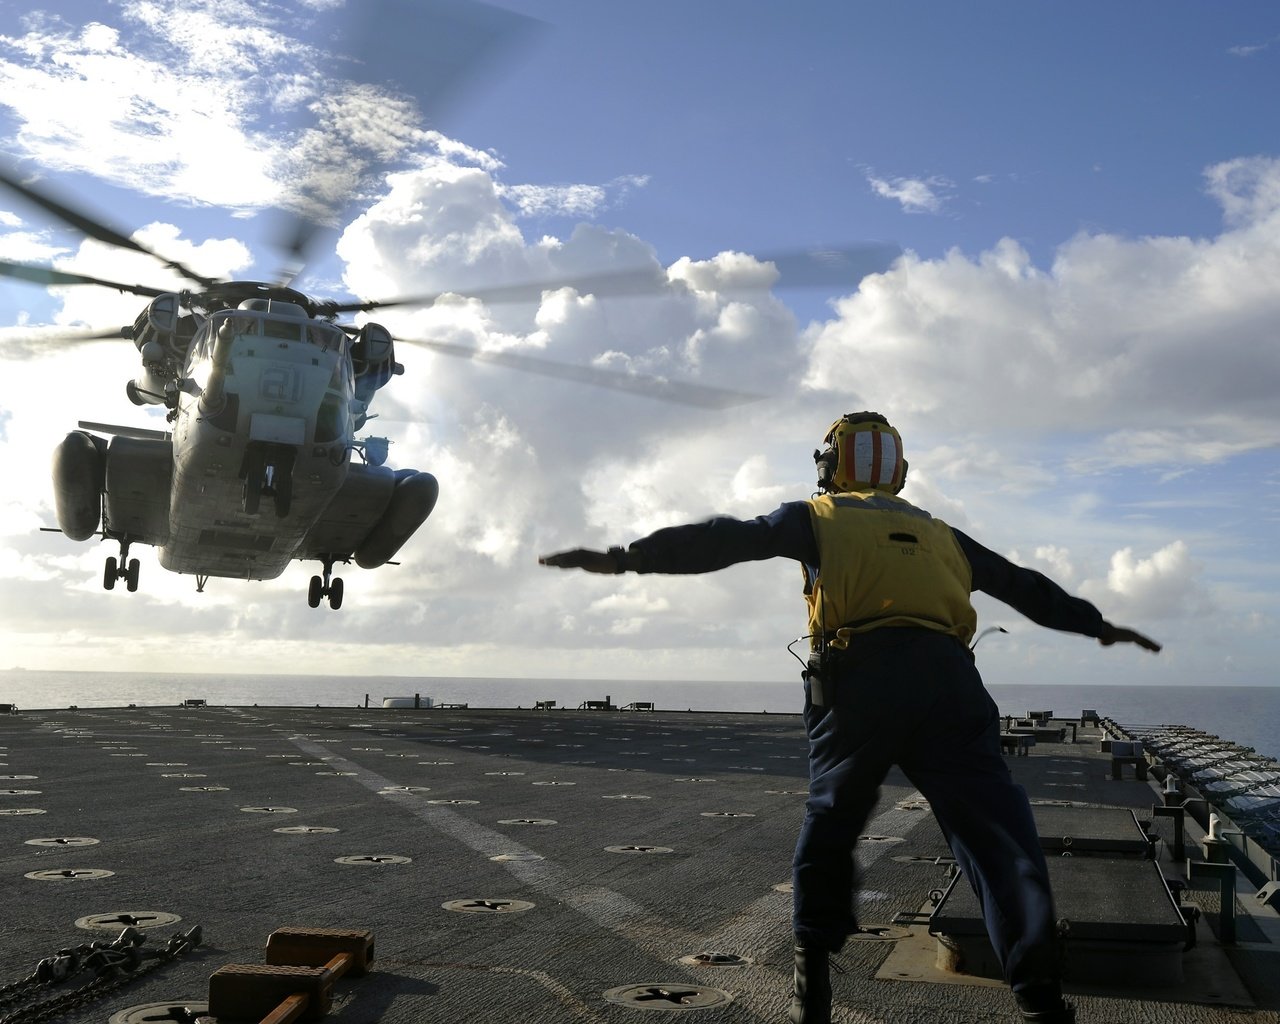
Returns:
point(1249, 715)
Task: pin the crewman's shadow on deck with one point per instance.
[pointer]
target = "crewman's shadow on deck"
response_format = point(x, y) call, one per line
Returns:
point(368, 999)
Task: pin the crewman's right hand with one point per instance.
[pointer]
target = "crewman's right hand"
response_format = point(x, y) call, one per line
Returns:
point(1123, 635)
point(583, 558)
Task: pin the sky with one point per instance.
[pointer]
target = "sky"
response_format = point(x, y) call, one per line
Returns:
point(1076, 338)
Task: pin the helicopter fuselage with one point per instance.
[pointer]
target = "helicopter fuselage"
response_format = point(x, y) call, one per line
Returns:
point(262, 442)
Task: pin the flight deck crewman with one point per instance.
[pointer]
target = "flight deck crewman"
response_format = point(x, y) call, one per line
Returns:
point(891, 680)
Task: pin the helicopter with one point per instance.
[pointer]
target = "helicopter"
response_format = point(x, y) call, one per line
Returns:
point(264, 392)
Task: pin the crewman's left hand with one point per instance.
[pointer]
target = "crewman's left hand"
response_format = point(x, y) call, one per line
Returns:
point(1124, 635)
point(582, 558)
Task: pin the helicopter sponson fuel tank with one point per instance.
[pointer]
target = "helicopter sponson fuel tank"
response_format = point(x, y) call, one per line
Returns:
point(397, 502)
point(122, 483)
point(79, 474)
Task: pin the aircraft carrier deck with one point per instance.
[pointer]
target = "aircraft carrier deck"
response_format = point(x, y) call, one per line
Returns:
point(594, 865)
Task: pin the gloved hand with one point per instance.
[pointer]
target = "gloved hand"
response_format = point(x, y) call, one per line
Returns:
point(583, 558)
point(1123, 635)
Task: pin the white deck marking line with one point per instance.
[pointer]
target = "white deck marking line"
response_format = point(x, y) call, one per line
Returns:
point(606, 908)
point(603, 906)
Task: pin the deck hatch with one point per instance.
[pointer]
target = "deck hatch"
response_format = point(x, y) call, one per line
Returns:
point(1123, 924)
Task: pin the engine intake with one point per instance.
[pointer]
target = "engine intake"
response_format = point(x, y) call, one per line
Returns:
point(373, 358)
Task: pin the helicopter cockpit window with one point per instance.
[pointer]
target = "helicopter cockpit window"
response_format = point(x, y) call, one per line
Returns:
point(325, 336)
point(234, 323)
point(287, 330)
point(200, 344)
point(341, 381)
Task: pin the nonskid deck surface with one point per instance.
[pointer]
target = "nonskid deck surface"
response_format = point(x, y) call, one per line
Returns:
point(513, 865)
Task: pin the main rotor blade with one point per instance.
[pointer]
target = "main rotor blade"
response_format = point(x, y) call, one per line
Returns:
point(432, 50)
point(34, 344)
point(425, 53)
point(842, 267)
point(91, 227)
point(642, 281)
point(49, 276)
point(661, 388)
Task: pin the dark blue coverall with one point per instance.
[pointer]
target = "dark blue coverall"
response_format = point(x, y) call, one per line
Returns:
point(912, 697)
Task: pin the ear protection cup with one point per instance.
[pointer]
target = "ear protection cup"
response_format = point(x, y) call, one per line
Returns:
point(825, 460)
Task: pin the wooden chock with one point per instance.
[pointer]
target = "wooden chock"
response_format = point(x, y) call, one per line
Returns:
point(319, 947)
point(252, 992)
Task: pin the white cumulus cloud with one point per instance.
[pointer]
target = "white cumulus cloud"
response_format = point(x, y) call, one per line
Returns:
point(1122, 342)
point(1165, 585)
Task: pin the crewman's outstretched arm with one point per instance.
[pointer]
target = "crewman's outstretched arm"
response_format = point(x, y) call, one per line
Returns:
point(1040, 599)
point(708, 546)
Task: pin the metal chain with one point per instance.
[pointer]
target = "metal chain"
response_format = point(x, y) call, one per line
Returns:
point(116, 964)
point(51, 970)
point(12, 993)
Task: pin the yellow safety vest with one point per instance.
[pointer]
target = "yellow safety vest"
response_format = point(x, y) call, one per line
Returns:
point(885, 562)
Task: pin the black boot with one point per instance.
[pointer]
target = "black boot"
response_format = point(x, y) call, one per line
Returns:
point(811, 997)
point(1064, 1014)
point(1045, 1005)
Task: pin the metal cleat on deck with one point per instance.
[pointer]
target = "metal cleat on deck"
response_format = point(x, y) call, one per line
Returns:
point(296, 982)
point(1019, 744)
point(1125, 752)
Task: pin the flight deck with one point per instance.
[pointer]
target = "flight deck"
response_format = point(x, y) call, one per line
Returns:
point(576, 865)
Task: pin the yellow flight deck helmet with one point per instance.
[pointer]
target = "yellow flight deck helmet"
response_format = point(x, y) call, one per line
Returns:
point(863, 453)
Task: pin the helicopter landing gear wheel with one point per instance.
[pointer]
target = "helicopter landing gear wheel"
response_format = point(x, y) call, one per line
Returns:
point(327, 586)
point(122, 568)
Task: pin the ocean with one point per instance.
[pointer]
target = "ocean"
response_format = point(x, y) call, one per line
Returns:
point(1249, 715)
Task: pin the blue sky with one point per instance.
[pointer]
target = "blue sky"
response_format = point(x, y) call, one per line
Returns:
point(1078, 342)
point(761, 124)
